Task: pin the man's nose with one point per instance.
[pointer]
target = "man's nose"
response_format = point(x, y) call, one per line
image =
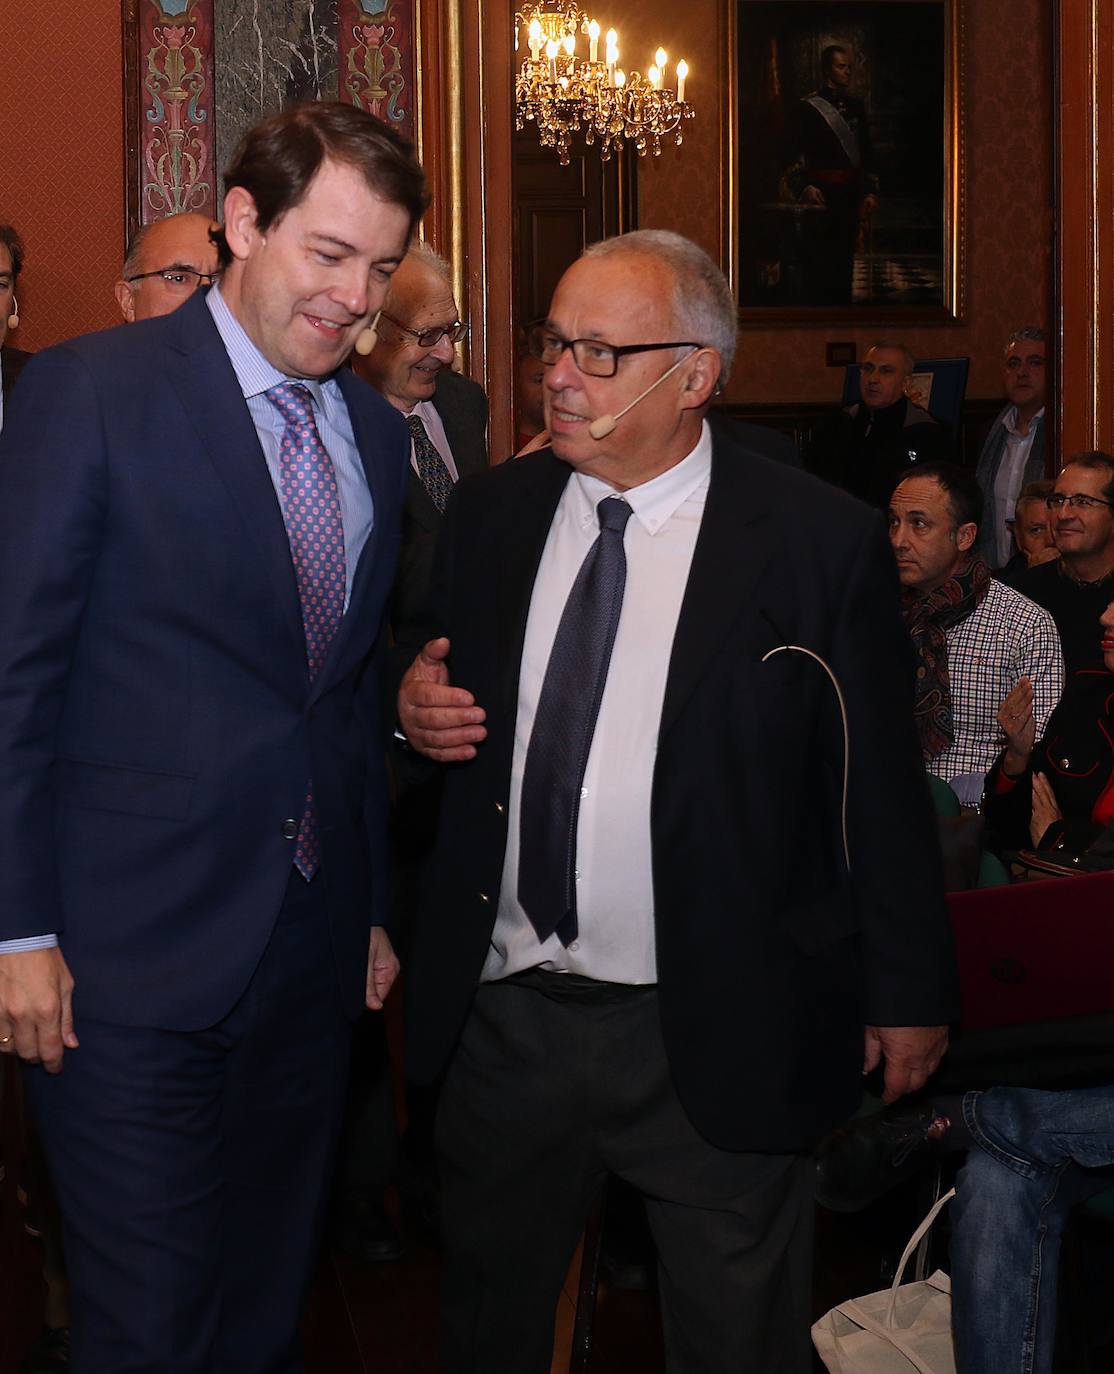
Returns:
point(442, 350)
point(351, 290)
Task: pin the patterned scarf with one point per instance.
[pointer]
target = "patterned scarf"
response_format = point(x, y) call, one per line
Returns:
point(928, 619)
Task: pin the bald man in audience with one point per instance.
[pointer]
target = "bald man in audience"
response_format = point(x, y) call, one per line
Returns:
point(166, 263)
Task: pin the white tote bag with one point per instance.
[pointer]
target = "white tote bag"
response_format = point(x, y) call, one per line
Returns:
point(902, 1329)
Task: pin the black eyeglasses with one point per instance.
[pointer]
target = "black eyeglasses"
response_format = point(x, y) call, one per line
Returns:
point(593, 358)
point(183, 281)
point(1055, 500)
point(430, 338)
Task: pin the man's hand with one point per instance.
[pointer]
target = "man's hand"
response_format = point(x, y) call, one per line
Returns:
point(36, 1009)
point(911, 1054)
point(382, 968)
point(440, 721)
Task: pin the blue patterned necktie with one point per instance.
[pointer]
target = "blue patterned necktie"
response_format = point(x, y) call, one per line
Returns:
point(564, 723)
point(435, 476)
point(311, 511)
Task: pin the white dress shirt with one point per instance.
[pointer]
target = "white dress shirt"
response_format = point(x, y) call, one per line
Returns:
point(1007, 484)
point(614, 890)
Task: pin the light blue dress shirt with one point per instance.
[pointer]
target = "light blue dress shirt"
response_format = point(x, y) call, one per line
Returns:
point(255, 376)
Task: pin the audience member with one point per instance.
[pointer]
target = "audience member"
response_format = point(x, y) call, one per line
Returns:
point(1079, 586)
point(1058, 793)
point(1031, 528)
point(690, 839)
point(193, 803)
point(166, 263)
point(12, 360)
point(1013, 454)
point(975, 637)
point(867, 446)
point(1031, 1157)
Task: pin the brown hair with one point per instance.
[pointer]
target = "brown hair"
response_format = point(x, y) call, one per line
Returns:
point(9, 237)
point(279, 157)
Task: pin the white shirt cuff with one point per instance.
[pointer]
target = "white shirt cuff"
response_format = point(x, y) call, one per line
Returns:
point(28, 943)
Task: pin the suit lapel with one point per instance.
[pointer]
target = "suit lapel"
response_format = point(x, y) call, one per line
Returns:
point(369, 444)
point(737, 540)
point(206, 384)
point(544, 478)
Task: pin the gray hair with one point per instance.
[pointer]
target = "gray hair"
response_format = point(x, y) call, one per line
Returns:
point(424, 253)
point(703, 307)
point(896, 347)
point(1030, 332)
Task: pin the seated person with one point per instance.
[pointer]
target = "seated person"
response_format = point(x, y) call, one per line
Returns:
point(866, 447)
point(1031, 1155)
point(1059, 791)
point(529, 396)
point(1031, 530)
point(1013, 454)
point(975, 637)
point(1077, 588)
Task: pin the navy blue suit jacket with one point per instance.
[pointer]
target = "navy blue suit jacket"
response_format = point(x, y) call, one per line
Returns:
point(157, 722)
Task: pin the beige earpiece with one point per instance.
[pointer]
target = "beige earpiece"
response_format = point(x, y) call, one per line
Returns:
point(13, 318)
point(367, 338)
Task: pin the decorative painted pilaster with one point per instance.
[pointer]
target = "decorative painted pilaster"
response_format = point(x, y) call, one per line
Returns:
point(175, 70)
point(376, 42)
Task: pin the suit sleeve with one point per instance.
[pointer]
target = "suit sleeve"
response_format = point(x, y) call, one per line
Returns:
point(53, 498)
point(896, 869)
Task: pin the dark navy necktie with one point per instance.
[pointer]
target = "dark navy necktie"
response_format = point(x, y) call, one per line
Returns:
point(565, 720)
point(311, 511)
point(435, 475)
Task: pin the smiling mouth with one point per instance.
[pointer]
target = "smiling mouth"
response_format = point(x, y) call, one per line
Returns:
point(331, 329)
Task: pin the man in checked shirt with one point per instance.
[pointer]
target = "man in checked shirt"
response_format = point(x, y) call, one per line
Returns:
point(975, 638)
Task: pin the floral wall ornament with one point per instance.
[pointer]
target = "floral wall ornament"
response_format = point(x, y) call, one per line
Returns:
point(376, 59)
point(176, 67)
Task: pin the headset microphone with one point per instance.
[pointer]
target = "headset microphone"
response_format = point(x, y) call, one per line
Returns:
point(366, 338)
point(602, 426)
point(13, 318)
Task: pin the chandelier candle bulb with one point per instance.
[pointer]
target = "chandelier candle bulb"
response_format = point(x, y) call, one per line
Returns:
point(655, 78)
point(593, 41)
point(535, 39)
point(682, 72)
point(551, 56)
point(659, 61)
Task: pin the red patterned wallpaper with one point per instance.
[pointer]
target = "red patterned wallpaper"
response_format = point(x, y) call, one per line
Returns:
point(1009, 180)
point(61, 163)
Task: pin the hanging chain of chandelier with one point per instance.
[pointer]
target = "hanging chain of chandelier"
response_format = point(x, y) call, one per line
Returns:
point(563, 94)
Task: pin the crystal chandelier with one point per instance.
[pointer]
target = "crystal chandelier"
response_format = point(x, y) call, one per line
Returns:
point(563, 94)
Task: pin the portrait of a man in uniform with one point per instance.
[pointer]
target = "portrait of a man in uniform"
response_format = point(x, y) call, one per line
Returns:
point(841, 153)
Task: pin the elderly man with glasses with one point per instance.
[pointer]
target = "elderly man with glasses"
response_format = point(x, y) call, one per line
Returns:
point(166, 263)
point(1078, 587)
point(639, 951)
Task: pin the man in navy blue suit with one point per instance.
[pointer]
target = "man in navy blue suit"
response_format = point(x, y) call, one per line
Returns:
point(199, 520)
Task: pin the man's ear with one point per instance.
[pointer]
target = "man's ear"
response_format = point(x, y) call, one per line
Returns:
point(241, 228)
point(125, 299)
point(965, 537)
point(701, 379)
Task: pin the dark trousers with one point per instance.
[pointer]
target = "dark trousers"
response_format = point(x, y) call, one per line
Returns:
point(191, 1167)
point(556, 1083)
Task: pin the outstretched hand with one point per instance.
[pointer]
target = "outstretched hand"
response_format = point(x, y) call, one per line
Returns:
point(440, 721)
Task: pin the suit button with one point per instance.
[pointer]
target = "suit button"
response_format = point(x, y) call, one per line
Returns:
point(290, 830)
point(483, 896)
point(500, 807)
point(1065, 763)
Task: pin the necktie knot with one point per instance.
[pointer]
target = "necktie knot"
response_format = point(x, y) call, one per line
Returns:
point(613, 513)
point(293, 402)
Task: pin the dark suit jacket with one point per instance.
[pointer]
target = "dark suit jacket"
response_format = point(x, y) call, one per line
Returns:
point(770, 958)
point(12, 363)
point(157, 722)
point(462, 407)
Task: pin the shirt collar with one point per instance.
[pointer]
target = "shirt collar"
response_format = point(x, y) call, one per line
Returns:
point(253, 372)
point(656, 501)
point(1009, 421)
